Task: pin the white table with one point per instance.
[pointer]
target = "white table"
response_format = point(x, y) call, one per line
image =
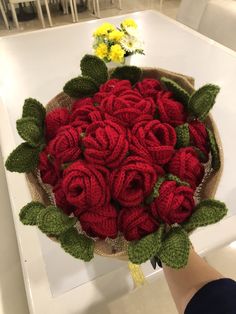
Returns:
point(37, 65)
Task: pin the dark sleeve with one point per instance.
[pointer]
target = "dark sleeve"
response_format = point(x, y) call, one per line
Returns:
point(216, 297)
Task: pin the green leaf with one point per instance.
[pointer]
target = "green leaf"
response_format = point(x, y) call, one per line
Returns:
point(171, 177)
point(29, 129)
point(33, 108)
point(206, 212)
point(80, 87)
point(23, 159)
point(77, 245)
point(202, 101)
point(94, 67)
point(214, 150)
point(29, 213)
point(155, 191)
point(53, 221)
point(183, 136)
point(126, 72)
point(142, 250)
point(174, 251)
point(179, 93)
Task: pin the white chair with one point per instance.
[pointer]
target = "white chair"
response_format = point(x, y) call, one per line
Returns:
point(73, 9)
point(96, 7)
point(4, 15)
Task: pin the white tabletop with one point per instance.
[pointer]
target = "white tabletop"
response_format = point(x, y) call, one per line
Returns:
point(37, 65)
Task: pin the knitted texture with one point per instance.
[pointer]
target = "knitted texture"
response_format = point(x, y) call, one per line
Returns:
point(131, 73)
point(183, 135)
point(95, 68)
point(28, 214)
point(54, 120)
point(80, 86)
point(179, 93)
point(148, 88)
point(34, 109)
point(199, 137)
point(214, 150)
point(30, 130)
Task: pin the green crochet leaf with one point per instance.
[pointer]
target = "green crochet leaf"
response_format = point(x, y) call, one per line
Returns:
point(142, 250)
point(127, 72)
point(155, 191)
point(206, 212)
point(183, 136)
point(94, 67)
point(179, 93)
point(202, 101)
point(81, 86)
point(30, 130)
point(29, 213)
point(33, 108)
point(202, 157)
point(171, 177)
point(77, 245)
point(214, 151)
point(23, 159)
point(175, 247)
point(53, 221)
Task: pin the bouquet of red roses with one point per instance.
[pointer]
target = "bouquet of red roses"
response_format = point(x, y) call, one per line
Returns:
point(120, 159)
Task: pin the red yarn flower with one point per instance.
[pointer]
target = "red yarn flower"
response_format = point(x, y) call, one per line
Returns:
point(148, 87)
point(86, 185)
point(187, 167)
point(135, 223)
point(61, 200)
point(54, 120)
point(199, 137)
point(100, 221)
point(174, 203)
point(132, 181)
point(105, 144)
point(170, 110)
point(82, 102)
point(49, 169)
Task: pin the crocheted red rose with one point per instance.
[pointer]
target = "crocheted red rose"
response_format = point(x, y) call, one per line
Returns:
point(49, 169)
point(86, 185)
point(148, 87)
point(61, 200)
point(170, 110)
point(105, 144)
point(187, 167)
point(199, 137)
point(135, 223)
point(174, 203)
point(82, 102)
point(100, 221)
point(54, 120)
point(132, 181)
point(66, 144)
point(158, 138)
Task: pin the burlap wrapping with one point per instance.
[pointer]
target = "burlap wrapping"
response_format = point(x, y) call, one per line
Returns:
point(118, 248)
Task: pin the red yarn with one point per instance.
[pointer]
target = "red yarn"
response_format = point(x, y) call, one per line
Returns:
point(174, 203)
point(49, 169)
point(135, 223)
point(132, 181)
point(61, 200)
point(54, 120)
point(187, 167)
point(82, 102)
point(148, 87)
point(199, 137)
point(86, 185)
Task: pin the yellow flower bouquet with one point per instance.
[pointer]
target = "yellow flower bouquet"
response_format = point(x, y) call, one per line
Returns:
point(113, 43)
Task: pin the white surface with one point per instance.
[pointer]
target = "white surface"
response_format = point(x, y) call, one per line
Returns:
point(37, 65)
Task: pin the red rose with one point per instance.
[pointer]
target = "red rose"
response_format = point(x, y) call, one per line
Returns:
point(105, 144)
point(135, 223)
point(49, 169)
point(100, 222)
point(85, 185)
point(61, 200)
point(174, 203)
point(132, 181)
point(82, 102)
point(84, 115)
point(158, 138)
point(148, 87)
point(66, 144)
point(170, 110)
point(54, 120)
point(187, 167)
point(199, 137)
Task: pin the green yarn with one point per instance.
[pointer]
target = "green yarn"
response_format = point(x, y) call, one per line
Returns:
point(183, 136)
point(53, 221)
point(202, 157)
point(175, 247)
point(28, 214)
point(30, 130)
point(202, 101)
point(155, 191)
point(142, 250)
point(171, 177)
point(33, 108)
point(81, 86)
point(126, 72)
point(179, 93)
point(77, 245)
point(206, 212)
point(24, 158)
point(215, 163)
point(94, 67)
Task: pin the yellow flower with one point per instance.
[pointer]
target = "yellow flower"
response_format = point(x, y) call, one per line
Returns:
point(104, 29)
point(129, 23)
point(117, 53)
point(101, 51)
point(115, 35)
